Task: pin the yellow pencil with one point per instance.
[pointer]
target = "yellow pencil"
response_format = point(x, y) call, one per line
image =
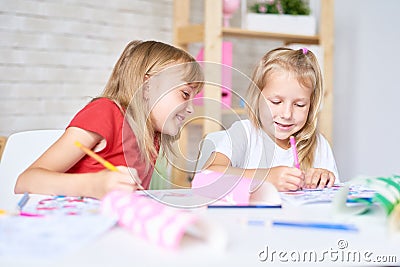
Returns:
point(90, 153)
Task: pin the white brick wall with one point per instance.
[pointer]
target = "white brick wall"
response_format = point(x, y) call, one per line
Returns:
point(55, 55)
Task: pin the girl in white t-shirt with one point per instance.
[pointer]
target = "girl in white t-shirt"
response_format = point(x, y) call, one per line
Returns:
point(283, 101)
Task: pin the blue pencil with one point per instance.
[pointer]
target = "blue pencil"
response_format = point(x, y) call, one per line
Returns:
point(316, 225)
point(245, 206)
point(23, 201)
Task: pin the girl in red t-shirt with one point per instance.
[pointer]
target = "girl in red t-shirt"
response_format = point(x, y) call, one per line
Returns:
point(142, 107)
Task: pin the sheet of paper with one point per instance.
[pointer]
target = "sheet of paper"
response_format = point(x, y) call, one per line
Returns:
point(63, 228)
point(309, 196)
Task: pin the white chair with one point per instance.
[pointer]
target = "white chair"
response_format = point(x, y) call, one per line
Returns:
point(21, 150)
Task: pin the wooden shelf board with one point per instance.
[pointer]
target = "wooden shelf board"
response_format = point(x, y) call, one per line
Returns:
point(195, 33)
point(190, 34)
point(288, 38)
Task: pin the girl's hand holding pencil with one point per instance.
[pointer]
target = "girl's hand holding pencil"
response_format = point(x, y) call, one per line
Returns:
point(120, 180)
point(112, 178)
point(286, 178)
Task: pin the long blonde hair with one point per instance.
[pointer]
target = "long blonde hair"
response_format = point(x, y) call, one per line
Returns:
point(304, 65)
point(142, 59)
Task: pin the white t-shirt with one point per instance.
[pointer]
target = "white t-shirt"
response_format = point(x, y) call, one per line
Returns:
point(249, 148)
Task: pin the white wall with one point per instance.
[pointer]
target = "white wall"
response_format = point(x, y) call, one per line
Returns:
point(366, 87)
point(55, 54)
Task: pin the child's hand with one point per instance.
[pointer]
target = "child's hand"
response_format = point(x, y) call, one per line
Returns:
point(286, 178)
point(111, 180)
point(318, 178)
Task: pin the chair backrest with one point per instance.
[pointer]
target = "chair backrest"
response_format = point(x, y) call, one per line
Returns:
point(21, 150)
point(207, 147)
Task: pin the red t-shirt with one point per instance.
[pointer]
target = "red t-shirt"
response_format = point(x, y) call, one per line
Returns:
point(105, 118)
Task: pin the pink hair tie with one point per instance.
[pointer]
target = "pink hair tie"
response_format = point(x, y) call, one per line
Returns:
point(305, 50)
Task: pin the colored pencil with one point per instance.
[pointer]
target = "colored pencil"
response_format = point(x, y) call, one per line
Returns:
point(23, 201)
point(90, 153)
point(294, 149)
point(316, 225)
point(244, 206)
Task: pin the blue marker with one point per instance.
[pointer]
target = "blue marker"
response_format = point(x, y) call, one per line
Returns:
point(23, 201)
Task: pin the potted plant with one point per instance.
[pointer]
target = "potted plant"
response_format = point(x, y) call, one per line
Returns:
point(282, 16)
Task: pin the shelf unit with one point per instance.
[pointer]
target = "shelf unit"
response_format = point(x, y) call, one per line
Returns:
point(3, 140)
point(211, 34)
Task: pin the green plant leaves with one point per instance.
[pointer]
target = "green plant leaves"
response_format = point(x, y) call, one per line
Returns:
point(289, 7)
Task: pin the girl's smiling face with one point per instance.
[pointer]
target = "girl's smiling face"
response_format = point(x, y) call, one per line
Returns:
point(170, 100)
point(284, 105)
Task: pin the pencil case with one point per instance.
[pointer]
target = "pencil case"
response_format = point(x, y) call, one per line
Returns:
point(158, 223)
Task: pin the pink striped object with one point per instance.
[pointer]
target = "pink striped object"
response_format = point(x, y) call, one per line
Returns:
point(151, 220)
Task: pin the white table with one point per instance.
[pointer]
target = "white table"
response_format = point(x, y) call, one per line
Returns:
point(246, 244)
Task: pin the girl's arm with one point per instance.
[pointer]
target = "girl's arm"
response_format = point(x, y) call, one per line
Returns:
point(47, 174)
point(282, 177)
